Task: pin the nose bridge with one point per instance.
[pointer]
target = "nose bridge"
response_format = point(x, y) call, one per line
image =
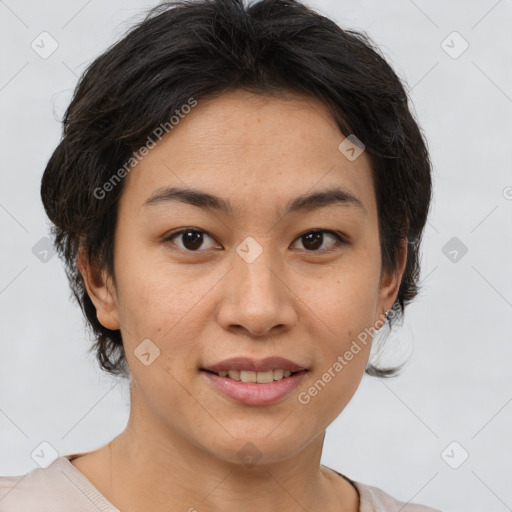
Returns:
point(256, 268)
point(256, 298)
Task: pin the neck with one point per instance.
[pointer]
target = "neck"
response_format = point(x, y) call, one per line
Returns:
point(151, 467)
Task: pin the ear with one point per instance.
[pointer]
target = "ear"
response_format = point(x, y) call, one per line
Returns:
point(390, 284)
point(101, 291)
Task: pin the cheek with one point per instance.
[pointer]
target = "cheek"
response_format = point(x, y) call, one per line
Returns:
point(154, 306)
point(345, 300)
point(341, 361)
point(344, 307)
point(161, 301)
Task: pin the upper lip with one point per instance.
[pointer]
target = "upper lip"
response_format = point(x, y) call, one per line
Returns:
point(255, 365)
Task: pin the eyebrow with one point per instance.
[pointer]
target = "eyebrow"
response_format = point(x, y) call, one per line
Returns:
point(304, 203)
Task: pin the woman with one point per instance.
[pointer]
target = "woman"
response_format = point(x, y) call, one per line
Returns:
point(239, 198)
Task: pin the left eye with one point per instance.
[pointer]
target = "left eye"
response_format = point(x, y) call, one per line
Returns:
point(312, 240)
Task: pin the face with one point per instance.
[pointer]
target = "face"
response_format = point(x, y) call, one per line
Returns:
point(203, 284)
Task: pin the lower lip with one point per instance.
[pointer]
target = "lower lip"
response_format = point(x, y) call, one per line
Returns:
point(251, 393)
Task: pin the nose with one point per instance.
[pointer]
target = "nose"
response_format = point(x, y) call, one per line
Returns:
point(256, 299)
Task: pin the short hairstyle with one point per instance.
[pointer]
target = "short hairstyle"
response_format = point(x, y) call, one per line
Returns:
point(200, 49)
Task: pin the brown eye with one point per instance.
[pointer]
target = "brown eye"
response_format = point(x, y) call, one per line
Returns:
point(192, 239)
point(313, 240)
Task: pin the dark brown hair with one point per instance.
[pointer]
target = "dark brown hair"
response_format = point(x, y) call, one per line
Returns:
point(201, 49)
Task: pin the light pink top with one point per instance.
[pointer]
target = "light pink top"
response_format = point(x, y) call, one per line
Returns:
point(62, 488)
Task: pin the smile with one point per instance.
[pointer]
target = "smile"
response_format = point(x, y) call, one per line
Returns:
point(255, 388)
point(259, 377)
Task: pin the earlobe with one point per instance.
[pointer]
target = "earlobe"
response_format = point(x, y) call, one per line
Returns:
point(390, 284)
point(101, 291)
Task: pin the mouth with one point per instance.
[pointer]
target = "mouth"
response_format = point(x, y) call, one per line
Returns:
point(261, 377)
point(255, 382)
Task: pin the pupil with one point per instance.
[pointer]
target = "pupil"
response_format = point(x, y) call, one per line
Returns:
point(195, 239)
point(316, 236)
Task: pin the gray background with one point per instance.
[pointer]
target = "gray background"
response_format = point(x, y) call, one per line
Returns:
point(457, 385)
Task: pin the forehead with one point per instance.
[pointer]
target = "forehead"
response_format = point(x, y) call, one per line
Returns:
point(248, 147)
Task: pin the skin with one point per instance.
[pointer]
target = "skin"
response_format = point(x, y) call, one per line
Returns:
point(304, 302)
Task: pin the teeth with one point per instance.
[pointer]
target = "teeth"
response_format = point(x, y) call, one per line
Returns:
point(260, 377)
point(246, 376)
point(264, 377)
point(278, 374)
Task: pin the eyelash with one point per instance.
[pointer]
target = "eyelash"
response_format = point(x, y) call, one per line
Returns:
point(339, 239)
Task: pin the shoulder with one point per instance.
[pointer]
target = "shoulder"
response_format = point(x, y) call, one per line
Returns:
point(40, 490)
point(56, 488)
point(374, 499)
